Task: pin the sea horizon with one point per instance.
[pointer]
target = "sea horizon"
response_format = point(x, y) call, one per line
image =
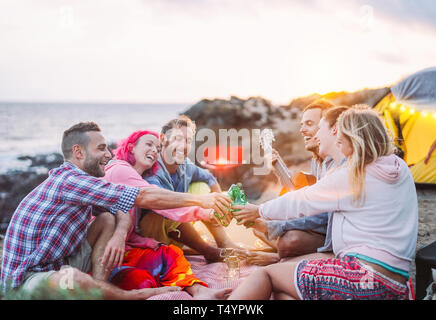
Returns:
point(32, 128)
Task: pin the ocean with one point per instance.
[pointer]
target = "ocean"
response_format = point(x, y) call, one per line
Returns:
point(37, 128)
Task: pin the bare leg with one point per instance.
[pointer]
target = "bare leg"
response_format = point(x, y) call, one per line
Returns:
point(310, 256)
point(85, 282)
point(190, 237)
point(220, 236)
point(282, 296)
point(298, 242)
point(99, 233)
point(262, 236)
point(262, 258)
point(199, 292)
point(278, 278)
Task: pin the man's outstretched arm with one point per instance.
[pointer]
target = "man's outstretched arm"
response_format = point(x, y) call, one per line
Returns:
point(157, 198)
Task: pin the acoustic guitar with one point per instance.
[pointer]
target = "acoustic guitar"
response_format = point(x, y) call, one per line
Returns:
point(289, 181)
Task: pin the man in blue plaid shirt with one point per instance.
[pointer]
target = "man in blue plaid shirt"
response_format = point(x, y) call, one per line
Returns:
point(51, 227)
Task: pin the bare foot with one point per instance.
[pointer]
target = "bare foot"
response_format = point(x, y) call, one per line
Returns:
point(260, 258)
point(142, 294)
point(199, 292)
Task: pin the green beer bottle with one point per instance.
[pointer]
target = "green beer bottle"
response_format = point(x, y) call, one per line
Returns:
point(237, 196)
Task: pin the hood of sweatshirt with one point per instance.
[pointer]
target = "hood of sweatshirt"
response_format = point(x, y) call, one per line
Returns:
point(386, 168)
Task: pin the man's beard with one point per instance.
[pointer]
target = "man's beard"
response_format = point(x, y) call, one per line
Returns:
point(313, 148)
point(91, 166)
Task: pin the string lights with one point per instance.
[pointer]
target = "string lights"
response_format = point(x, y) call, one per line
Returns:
point(394, 105)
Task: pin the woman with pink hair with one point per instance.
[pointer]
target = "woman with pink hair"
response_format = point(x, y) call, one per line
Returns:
point(148, 263)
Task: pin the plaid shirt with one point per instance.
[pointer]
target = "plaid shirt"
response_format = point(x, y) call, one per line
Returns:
point(52, 220)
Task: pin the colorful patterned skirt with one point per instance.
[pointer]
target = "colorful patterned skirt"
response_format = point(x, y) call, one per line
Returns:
point(344, 279)
point(146, 268)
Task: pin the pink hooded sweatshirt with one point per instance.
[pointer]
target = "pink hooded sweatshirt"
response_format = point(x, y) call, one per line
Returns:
point(384, 227)
point(121, 172)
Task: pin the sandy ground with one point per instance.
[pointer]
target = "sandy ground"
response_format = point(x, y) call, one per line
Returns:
point(427, 221)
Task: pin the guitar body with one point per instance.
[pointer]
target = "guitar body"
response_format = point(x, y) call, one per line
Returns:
point(299, 180)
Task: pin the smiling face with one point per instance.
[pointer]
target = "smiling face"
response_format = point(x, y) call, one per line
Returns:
point(326, 139)
point(96, 154)
point(344, 144)
point(145, 152)
point(176, 144)
point(309, 127)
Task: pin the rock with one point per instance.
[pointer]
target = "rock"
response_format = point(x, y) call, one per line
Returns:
point(424, 230)
point(369, 97)
point(48, 161)
point(16, 184)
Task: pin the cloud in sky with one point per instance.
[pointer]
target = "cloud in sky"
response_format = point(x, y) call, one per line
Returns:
point(406, 11)
point(184, 50)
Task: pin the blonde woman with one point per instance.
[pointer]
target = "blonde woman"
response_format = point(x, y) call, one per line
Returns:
point(374, 228)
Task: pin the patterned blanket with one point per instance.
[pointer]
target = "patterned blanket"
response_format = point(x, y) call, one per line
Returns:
point(214, 274)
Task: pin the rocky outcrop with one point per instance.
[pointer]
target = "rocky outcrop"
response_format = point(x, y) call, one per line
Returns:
point(369, 97)
point(16, 184)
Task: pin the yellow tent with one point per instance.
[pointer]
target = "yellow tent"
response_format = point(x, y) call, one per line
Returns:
point(409, 111)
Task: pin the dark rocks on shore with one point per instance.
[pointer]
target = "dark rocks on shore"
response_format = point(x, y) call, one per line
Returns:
point(47, 161)
point(16, 184)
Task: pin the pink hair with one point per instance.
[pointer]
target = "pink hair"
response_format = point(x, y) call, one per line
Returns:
point(125, 146)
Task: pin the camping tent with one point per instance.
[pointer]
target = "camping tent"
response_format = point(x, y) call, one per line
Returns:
point(409, 111)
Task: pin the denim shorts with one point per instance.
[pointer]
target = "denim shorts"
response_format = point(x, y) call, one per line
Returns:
point(81, 260)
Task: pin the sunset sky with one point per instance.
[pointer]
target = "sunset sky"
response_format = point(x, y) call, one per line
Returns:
point(181, 51)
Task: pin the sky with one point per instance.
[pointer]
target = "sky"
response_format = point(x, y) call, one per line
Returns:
point(181, 51)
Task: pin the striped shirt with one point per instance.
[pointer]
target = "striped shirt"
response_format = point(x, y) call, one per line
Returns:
point(52, 220)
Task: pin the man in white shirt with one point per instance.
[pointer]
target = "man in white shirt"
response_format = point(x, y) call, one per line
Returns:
point(308, 234)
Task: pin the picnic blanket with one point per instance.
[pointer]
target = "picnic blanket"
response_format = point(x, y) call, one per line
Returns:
point(214, 274)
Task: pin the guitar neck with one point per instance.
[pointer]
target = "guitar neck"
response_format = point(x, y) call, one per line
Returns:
point(283, 173)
